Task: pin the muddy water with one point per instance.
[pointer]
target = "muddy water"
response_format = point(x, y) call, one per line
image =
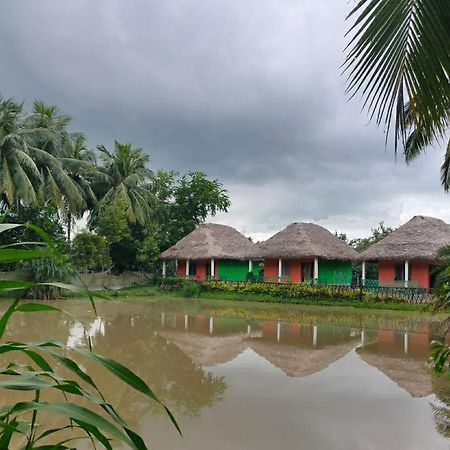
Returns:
point(243, 376)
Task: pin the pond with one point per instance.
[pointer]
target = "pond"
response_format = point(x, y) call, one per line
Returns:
point(254, 376)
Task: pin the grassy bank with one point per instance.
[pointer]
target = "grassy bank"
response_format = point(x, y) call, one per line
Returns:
point(146, 293)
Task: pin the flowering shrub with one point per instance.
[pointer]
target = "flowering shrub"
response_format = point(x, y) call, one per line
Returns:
point(288, 293)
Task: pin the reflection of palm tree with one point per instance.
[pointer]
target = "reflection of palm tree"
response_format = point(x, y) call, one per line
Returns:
point(183, 385)
point(176, 380)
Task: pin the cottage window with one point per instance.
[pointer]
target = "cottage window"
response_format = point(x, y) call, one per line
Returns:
point(307, 271)
point(192, 269)
point(399, 272)
point(284, 268)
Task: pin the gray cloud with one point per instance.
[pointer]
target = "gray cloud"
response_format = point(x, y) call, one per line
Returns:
point(249, 91)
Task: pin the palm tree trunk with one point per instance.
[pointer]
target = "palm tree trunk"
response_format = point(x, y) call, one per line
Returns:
point(69, 226)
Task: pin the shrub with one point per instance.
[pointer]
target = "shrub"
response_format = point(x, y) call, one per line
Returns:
point(191, 289)
point(46, 270)
point(292, 292)
point(250, 277)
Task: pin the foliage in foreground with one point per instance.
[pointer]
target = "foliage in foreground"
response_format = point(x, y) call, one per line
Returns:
point(398, 60)
point(83, 408)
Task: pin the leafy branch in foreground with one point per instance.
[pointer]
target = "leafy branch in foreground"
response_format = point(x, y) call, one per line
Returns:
point(398, 60)
point(85, 411)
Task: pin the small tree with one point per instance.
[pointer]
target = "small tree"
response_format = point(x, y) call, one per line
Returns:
point(90, 251)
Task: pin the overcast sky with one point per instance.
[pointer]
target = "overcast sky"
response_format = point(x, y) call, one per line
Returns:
point(249, 91)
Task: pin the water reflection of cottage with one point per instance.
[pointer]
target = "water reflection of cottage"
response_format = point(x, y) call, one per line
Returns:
point(301, 349)
point(296, 349)
point(402, 357)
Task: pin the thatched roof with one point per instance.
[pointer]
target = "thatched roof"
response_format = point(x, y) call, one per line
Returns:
point(294, 361)
point(413, 375)
point(297, 361)
point(418, 239)
point(300, 240)
point(211, 240)
point(206, 350)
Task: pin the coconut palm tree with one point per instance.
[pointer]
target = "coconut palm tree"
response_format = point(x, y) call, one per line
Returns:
point(80, 165)
point(19, 176)
point(126, 180)
point(398, 59)
point(47, 149)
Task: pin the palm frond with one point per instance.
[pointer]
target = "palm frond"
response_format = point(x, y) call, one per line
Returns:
point(445, 169)
point(398, 54)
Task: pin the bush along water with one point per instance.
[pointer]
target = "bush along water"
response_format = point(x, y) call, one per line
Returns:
point(290, 293)
point(191, 289)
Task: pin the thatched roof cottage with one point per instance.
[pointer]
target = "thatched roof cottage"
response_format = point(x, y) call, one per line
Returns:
point(212, 251)
point(305, 251)
point(406, 256)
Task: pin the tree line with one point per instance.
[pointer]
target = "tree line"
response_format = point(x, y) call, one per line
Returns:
point(50, 177)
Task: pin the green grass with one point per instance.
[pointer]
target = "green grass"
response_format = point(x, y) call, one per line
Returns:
point(148, 293)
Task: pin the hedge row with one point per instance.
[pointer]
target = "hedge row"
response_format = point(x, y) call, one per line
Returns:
point(299, 291)
point(284, 292)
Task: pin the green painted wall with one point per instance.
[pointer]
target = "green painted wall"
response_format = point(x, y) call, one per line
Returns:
point(335, 272)
point(231, 270)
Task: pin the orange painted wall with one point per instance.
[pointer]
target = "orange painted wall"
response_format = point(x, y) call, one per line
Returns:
point(270, 269)
point(181, 271)
point(295, 270)
point(386, 271)
point(420, 272)
point(201, 270)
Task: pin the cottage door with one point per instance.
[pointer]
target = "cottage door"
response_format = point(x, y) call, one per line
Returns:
point(307, 271)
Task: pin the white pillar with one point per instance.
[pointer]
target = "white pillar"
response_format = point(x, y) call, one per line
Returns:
point(363, 272)
point(186, 321)
point(278, 331)
point(406, 273)
point(164, 268)
point(176, 265)
point(163, 319)
point(405, 342)
point(213, 270)
point(211, 325)
point(250, 265)
point(314, 335)
point(187, 268)
point(249, 331)
point(280, 269)
point(363, 337)
point(316, 269)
